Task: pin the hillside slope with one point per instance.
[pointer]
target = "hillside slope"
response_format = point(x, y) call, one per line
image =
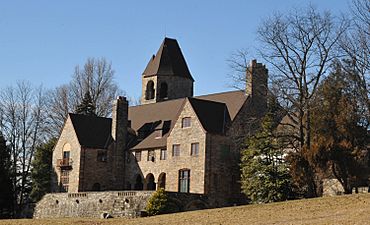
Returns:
point(351, 209)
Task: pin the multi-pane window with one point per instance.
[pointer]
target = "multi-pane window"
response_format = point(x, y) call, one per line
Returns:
point(186, 122)
point(66, 154)
point(163, 154)
point(138, 156)
point(64, 180)
point(151, 156)
point(194, 149)
point(175, 150)
point(102, 156)
point(184, 180)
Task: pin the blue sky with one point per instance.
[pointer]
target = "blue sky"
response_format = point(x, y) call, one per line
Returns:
point(43, 40)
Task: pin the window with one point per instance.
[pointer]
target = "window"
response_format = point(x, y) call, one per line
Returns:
point(175, 150)
point(163, 154)
point(138, 156)
point(66, 154)
point(151, 155)
point(163, 91)
point(64, 180)
point(102, 156)
point(186, 122)
point(150, 91)
point(184, 180)
point(194, 149)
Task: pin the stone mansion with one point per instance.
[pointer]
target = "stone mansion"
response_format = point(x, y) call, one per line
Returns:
point(172, 140)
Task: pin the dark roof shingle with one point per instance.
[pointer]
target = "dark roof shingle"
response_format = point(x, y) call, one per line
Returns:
point(92, 131)
point(169, 60)
point(212, 115)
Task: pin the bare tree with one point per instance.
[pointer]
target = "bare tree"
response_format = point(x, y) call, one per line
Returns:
point(22, 110)
point(356, 48)
point(299, 47)
point(97, 78)
point(238, 64)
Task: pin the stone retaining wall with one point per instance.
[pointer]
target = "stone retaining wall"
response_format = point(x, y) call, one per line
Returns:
point(113, 203)
point(92, 204)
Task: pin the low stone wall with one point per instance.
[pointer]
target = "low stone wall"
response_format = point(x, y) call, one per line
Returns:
point(92, 204)
point(113, 203)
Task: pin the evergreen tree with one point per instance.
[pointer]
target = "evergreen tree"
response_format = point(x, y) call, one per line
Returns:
point(265, 175)
point(41, 170)
point(86, 107)
point(6, 184)
point(340, 134)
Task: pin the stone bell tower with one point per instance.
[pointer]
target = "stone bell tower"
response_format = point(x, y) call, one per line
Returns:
point(167, 75)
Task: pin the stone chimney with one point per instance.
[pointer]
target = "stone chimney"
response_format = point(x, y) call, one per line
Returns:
point(119, 135)
point(256, 83)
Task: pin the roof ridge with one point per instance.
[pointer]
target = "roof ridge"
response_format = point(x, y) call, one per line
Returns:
point(225, 92)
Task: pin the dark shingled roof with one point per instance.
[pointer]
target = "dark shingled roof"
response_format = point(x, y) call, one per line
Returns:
point(213, 111)
point(92, 131)
point(233, 99)
point(150, 117)
point(169, 60)
point(212, 115)
point(210, 109)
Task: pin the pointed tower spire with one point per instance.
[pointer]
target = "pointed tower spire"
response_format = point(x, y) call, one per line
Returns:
point(167, 75)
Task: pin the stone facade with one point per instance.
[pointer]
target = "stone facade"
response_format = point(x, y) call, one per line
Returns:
point(177, 87)
point(200, 158)
point(68, 142)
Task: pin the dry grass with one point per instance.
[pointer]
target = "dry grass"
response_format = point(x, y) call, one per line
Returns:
point(353, 209)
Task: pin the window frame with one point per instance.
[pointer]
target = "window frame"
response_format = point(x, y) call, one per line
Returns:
point(194, 151)
point(163, 154)
point(178, 150)
point(151, 155)
point(137, 155)
point(186, 122)
point(184, 181)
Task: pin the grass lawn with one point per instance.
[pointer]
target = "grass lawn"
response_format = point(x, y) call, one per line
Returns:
point(351, 209)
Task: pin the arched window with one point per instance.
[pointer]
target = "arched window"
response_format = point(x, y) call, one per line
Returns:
point(150, 91)
point(149, 181)
point(163, 93)
point(162, 181)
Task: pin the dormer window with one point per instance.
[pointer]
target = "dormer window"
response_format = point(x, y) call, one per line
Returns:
point(186, 122)
point(158, 134)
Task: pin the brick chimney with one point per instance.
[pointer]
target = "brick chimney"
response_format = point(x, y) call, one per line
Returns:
point(119, 133)
point(256, 83)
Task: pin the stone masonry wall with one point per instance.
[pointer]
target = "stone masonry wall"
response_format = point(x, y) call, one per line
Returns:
point(171, 166)
point(67, 138)
point(114, 203)
point(92, 204)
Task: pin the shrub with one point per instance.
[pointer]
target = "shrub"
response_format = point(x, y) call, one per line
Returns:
point(157, 203)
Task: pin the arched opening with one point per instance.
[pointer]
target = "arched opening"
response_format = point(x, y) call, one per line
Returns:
point(96, 187)
point(149, 181)
point(150, 91)
point(139, 183)
point(162, 181)
point(163, 93)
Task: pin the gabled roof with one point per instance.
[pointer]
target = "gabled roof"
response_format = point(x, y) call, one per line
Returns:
point(233, 99)
point(168, 61)
point(212, 110)
point(92, 131)
point(212, 115)
point(150, 117)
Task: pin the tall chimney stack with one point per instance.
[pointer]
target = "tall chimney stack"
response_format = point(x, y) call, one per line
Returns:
point(119, 133)
point(256, 84)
